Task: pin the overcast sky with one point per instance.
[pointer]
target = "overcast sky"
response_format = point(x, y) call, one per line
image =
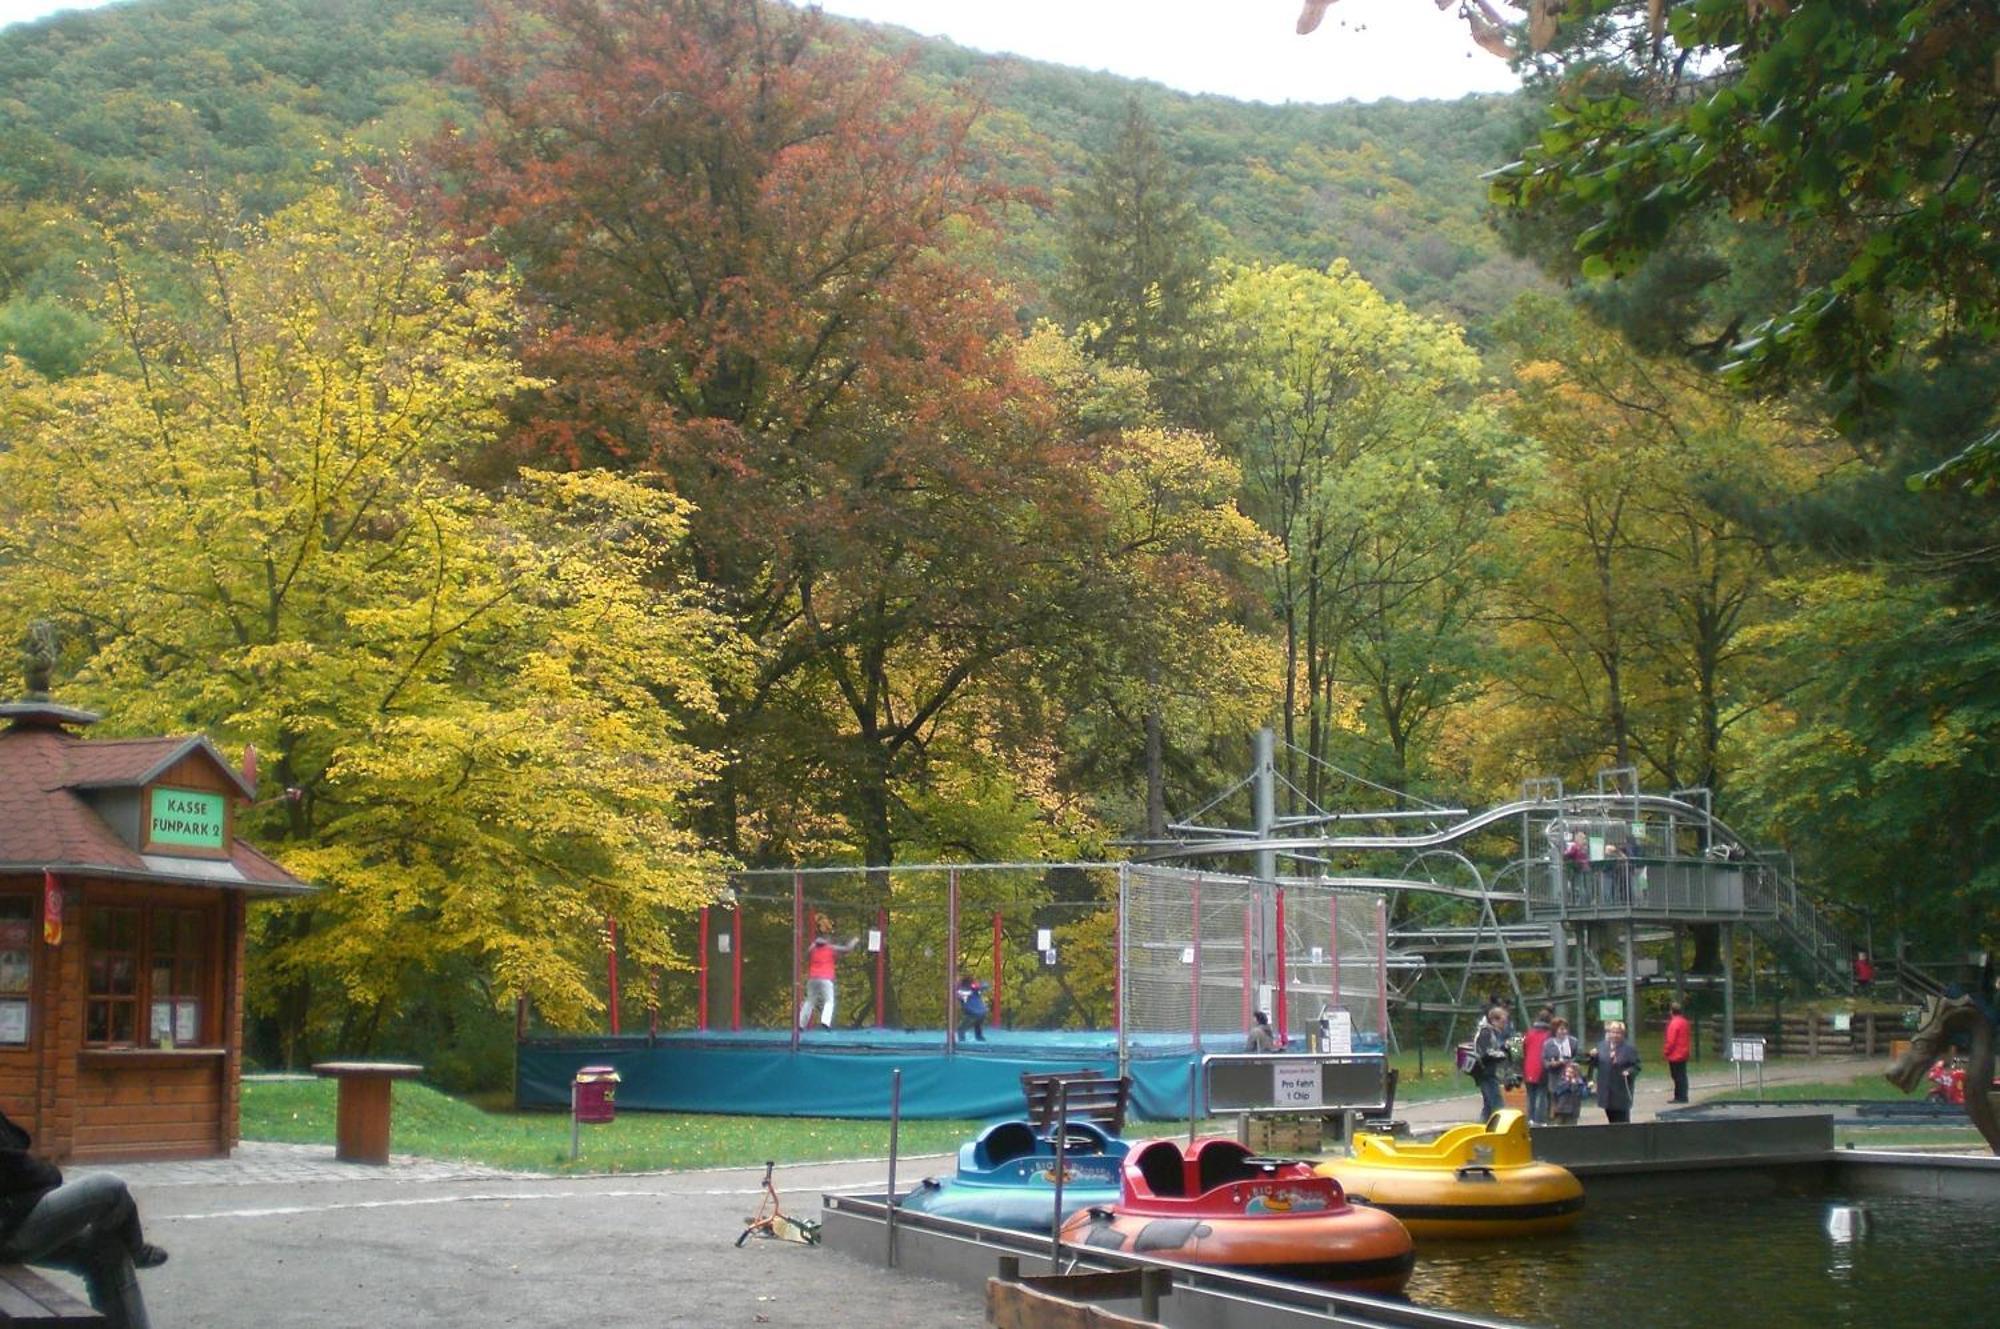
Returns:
point(1364, 49)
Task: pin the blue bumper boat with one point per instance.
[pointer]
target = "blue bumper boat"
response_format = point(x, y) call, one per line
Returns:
point(1007, 1177)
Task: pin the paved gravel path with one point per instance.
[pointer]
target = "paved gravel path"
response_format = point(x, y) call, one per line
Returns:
point(405, 1245)
point(285, 1235)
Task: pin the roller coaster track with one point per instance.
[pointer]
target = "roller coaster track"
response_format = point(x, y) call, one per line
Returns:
point(1798, 922)
point(1246, 842)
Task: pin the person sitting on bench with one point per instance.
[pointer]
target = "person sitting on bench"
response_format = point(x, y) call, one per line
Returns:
point(90, 1227)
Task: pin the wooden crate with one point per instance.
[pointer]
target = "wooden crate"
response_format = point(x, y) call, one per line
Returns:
point(1284, 1134)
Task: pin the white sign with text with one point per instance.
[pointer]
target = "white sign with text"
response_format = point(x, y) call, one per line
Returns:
point(1295, 1084)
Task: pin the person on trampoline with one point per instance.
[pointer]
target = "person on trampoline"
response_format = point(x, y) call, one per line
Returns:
point(821, 957)
point(971, 994)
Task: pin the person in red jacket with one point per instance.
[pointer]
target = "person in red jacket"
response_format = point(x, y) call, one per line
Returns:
point(1532, 1069)
point(1679, 1043)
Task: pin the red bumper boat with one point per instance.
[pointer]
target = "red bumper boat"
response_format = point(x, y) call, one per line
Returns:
point(1218, 1204)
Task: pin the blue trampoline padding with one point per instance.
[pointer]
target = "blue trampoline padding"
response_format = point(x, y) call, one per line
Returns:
point(777, 1082)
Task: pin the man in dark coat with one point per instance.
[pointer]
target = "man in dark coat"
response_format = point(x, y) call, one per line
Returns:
point(90, 1227)
point(1490, 1059)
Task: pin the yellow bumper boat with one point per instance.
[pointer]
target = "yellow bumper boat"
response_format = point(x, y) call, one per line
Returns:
point(1472, 1181)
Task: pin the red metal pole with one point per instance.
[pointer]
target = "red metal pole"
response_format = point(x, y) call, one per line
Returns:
point(798, 940)
point(1248, 978)
point(701, 990)
point(1280, 948)
point(611, 938)
point(993, 1006)
point(736, 966)
point(1194, 989)
point(882, 969)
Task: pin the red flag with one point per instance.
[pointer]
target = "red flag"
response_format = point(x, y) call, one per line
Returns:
point(51, 909)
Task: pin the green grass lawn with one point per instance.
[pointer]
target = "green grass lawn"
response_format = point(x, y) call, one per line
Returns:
point(1870, 1088)
point(1961, 1137)
point(434, 1125)
point(487, 1130)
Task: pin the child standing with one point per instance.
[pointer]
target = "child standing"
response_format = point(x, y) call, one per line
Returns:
point(971, 1007)
point(1566, 1096)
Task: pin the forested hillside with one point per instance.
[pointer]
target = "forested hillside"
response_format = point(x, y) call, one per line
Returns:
point(586, 444)
point(247, 97)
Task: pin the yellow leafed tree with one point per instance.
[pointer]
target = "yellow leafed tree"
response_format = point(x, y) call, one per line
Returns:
point(247, 524)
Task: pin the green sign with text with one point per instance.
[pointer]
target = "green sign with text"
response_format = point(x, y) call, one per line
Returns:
point(186, 817)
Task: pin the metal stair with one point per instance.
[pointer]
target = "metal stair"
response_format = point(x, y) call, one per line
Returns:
point(1801, 932)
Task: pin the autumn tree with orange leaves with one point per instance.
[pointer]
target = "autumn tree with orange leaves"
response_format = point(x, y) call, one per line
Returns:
point(734, 229)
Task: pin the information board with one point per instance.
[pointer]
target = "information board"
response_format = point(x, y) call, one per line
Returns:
point(1295, 1084)
point(1339, 1033)
point(1262, 1082)
point(1746, 1049)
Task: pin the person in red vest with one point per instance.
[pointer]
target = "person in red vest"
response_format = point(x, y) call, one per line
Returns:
point(1532, 1069)
point(1679, 1044)
point(821, 957)
point(1864, 971)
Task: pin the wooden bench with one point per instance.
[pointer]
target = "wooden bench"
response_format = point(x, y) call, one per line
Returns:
point(28, 1298)
point(1093, 1097)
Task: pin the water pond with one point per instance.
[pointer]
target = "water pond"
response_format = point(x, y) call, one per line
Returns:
point(1679, 1259)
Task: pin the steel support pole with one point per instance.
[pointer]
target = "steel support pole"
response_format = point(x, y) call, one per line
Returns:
point(1334, 1001)
point(798, 944)
point(1194, 985)
point(882, 967)
point(1118, 983)
point(1249, 979)
point(701, 995)
point(1278, 899)
point(1382, 969)
point(736, 967)
point(993, 1006)
point(1264, 794)
point(951, 960)
point(611, 949)
point(1631, 979)
point(1728, 985)
point(895, 1141)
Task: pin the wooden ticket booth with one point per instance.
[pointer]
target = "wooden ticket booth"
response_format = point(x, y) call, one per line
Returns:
point(122, 897)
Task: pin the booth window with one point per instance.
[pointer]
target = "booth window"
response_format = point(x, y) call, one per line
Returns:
point(145, 961)
point(19, 918)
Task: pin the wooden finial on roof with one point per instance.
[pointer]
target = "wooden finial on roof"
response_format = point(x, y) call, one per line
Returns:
point(38, 659)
